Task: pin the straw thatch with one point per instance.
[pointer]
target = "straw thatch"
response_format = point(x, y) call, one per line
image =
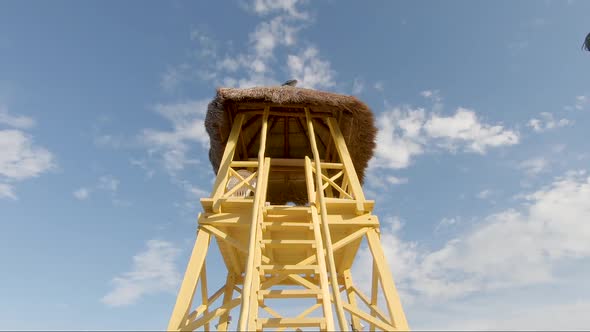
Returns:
point(355, 118)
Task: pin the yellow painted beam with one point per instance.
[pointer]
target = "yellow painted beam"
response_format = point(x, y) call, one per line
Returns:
point(394, 305)
point(325, 227)
point(189, 283)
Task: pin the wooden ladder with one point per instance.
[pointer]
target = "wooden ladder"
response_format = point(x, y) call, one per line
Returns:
point(310, 275)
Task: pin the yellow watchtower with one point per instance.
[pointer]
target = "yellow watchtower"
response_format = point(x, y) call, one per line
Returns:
point(289, 214)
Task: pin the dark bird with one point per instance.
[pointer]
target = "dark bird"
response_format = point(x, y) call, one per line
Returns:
point(290, 83)
point(586, 45)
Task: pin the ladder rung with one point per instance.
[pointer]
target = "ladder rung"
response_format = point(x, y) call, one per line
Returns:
point(288, 269)
point(286, 225)
point(282, 243)
point(291, 322)
point(289, 293)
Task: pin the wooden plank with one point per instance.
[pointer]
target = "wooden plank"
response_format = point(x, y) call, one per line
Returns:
point(230, 240)
point(256, 208)
point(370, 319)
point(228, 155)
point(394, 305)
point(288, 269)
point(374, 291)
point(375, 311)
point(290, 322)
point(189, 283)
point(226, 308)
point(289, 242)
point(204, 292)
point(311, 191)
point(351, 299)
point(353, 180)
point(321, 259)
point(202, 308)
point(325, 227)
point(228, 291)
point(304, 314)
point(289, 293)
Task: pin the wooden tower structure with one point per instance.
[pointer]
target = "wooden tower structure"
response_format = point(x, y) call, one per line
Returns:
point(289, 214)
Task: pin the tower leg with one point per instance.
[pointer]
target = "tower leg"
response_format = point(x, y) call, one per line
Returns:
point(396, 313)
point(189, 283)
point(227, 297)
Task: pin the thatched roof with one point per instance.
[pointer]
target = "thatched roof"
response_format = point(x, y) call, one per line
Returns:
point(287, 134)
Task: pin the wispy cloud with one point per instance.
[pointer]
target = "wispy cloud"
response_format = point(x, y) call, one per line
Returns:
point(7, 191)
point(534, 166)
point(20, 157)
point(187, 119)
point(357, 86)
point(312, 71)
point(81, 193)
point(547, 122)
point(485, 194)
point(154, 271)
point(405, 132)
point(15, 121)
point(511, 248)
point(581, 102)
point(105, 183)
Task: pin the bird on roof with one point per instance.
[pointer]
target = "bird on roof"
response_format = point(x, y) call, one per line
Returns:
point(290, 83)
point(586, 45)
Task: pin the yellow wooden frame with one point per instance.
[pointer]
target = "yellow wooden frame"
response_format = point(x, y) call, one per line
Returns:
point(331, 228)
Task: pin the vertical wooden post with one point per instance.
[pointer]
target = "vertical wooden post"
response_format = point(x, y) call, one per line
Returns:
point(374, 291)
point(204, 292)
point(396, 313)
point(250, 268)
point(228, 155)
point(227, 297)
point(253, 309)
point(189, 283)
point(356, 324)
point(326, 228)
point(355, 184)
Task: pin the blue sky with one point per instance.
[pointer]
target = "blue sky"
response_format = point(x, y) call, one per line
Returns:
point(481, 173)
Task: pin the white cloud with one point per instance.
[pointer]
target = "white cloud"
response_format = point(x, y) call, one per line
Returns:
point(268, 35)
point(396, 180)
point(405, 132)
point(465, 127)
point(82, 193)
point(357, 86)
point(174, 76)
point(447, 222)
point(154, 271)
point(431, 94)
point(534, 166)
point(517, 316)
point(263, 7)
point(378, 86)
point(310, 70)
point(511, 248)
point(547, 122)
point(581, 102)
point(20, 158)
point(16, 121)
point(188, 126)
point(399, 137)
point(7, 191)
point(108, 183)
point(484, 194)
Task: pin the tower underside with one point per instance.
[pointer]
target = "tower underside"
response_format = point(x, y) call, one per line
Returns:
point(289, 215)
